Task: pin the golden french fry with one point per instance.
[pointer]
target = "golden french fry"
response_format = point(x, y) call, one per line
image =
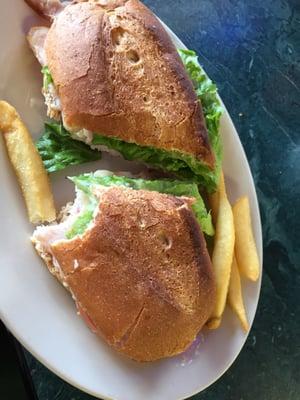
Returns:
point(214, 323)
point(245, 248)
point(222, 254)
point(28, 166)
point(235, 297)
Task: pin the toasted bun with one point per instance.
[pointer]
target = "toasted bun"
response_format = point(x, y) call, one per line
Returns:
point(117, 73)
point(143, 277)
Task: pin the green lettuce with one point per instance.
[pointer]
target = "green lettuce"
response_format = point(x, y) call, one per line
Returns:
point(82, 222)
point(207, 93)
point(58, 150)
point(184, 166)
point(86, 182)
point(47, 78)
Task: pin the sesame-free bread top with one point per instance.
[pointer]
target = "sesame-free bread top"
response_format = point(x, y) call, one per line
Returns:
point(141, 274)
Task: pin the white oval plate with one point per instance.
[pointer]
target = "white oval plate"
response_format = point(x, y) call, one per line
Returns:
point(40, 313)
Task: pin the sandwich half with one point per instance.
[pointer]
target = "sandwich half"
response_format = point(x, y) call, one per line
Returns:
point(134, 257)
point(114, 78)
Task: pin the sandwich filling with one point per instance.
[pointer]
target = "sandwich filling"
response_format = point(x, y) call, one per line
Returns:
point(78, 217)
point(87, 183)
point(71, 215)
point(182, 165)
point(52, 100)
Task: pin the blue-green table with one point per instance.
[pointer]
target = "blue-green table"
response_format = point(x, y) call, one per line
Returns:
point(251, 48)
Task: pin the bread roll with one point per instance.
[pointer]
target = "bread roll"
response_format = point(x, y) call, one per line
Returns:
point(117, 73)
point(141, 274)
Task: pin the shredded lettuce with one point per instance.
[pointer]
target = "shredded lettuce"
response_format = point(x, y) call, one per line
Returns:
point(86, 182)
point(58, 150)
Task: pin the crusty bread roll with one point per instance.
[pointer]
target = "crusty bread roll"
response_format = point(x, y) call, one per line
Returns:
point(141, 274)
point(118, 74)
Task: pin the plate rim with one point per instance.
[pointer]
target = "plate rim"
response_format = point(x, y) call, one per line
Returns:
point(64, 375)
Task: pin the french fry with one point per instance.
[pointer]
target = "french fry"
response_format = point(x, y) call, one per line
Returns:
point(222, 254)
point(214, 323)
point(245, 248)
point(235, 297)
point(28, 166)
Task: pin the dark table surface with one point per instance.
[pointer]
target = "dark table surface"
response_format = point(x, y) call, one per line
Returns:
point(251, 49)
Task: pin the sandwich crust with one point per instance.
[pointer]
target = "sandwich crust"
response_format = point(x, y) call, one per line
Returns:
point(117, 73)
point(141, 274)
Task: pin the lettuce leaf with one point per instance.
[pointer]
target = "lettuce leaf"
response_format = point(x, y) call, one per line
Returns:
point(86, 182)
point(58, 150)
point(47, 78)
point(184, 166)
point(80, 224)
point(207, 93)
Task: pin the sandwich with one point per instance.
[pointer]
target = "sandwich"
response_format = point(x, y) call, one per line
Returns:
point(133, 255)
point(114, 80)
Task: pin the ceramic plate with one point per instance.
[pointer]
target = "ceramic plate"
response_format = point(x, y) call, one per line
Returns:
point(40, 313)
